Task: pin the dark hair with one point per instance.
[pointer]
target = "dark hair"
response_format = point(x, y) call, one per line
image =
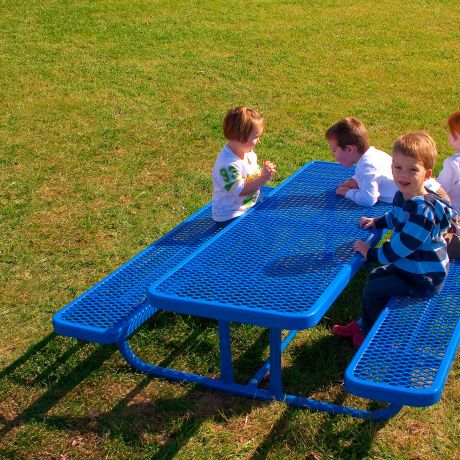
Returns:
point(240, 122)
point(349, 131)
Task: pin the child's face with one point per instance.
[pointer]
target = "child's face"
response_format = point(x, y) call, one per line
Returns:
point(253, 139)
point(454, 141)
point(409, 175)
point(344, 156)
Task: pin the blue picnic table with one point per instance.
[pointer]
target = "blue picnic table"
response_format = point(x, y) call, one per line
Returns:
point(280, 266)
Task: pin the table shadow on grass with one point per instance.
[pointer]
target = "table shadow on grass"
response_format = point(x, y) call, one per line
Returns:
point(58, 365)
point(162, 425)
point(136, 419)
point(339, 440)
point(319, 367)
point(40, 356)
point(11, 454)
point(36, 348)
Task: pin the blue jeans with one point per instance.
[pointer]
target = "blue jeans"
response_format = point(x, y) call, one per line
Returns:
point(385, 282)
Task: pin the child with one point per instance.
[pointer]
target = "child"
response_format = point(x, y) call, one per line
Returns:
point(373, 180)
point(349, 143)
point(236, 176)
point(449, 178)
point(414, 261)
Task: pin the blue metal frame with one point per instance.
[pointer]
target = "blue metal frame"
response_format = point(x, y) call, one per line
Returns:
point(251, 390)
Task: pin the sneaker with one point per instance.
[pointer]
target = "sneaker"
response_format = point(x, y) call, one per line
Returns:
point(358, 339)
point(349, 330)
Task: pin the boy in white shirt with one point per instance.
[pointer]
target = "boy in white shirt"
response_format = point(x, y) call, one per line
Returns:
point(236, 176)
point(373, 179)
point(449, 178)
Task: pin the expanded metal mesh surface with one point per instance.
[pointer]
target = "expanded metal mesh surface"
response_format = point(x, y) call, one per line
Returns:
point(123, 292)
point(410, 345)
point(284, 254)
point(118, 295)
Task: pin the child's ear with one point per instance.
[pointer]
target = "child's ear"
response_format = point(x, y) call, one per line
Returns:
point(428, 173)
point(352, 150)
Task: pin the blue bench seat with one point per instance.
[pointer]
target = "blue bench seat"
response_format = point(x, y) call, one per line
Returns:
point(407, 355)
point(115, 307)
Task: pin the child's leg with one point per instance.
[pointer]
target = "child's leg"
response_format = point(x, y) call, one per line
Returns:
point(383, 284)
point(453, 243)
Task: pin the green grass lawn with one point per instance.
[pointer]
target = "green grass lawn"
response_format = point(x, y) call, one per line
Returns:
point(110, 120)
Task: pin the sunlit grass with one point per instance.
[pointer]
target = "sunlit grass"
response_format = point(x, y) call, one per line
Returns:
point(110, 120)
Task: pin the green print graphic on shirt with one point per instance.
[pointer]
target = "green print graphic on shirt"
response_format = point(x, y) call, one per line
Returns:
point(249, 201)
point(233, 173)
point(229, 186)
point(230, 174)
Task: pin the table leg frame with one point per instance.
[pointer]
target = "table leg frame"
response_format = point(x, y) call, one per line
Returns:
point(274, 392)
point(226, 370)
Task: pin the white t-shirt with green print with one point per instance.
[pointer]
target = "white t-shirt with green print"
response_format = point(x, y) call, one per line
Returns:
point(228, 177)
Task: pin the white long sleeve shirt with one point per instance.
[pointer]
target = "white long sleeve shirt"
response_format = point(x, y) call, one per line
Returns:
point(374, 177)
point(449, 178)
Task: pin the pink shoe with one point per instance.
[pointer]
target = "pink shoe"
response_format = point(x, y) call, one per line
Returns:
point(358, 339)
point(349, 330)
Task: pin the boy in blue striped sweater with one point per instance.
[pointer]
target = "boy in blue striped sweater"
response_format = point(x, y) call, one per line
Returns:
point(414, 261)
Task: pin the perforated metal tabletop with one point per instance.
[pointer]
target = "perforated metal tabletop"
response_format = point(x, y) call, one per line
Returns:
point(283, 264)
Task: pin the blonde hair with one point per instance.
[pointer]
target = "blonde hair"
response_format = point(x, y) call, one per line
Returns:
point(454, 122)
point(349, 131)
point(419, 145)
point(240, 122)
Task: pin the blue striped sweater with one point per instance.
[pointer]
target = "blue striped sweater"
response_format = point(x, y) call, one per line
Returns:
point(416, 248)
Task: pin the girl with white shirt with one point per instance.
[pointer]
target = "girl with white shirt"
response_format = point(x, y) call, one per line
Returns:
point(236, 176)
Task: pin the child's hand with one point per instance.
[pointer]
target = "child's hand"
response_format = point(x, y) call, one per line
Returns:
point(342, 191)
point(270, 166)
point(367, 222)
point(362, 247)
point(349, 183)
point(268, 170)
point(266, 173)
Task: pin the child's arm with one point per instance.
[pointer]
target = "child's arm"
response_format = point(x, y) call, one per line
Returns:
point(415, 231)
point(368, 192)
point(449, 177)
point(349, 184)
point(266, 174)
point(370, 222)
